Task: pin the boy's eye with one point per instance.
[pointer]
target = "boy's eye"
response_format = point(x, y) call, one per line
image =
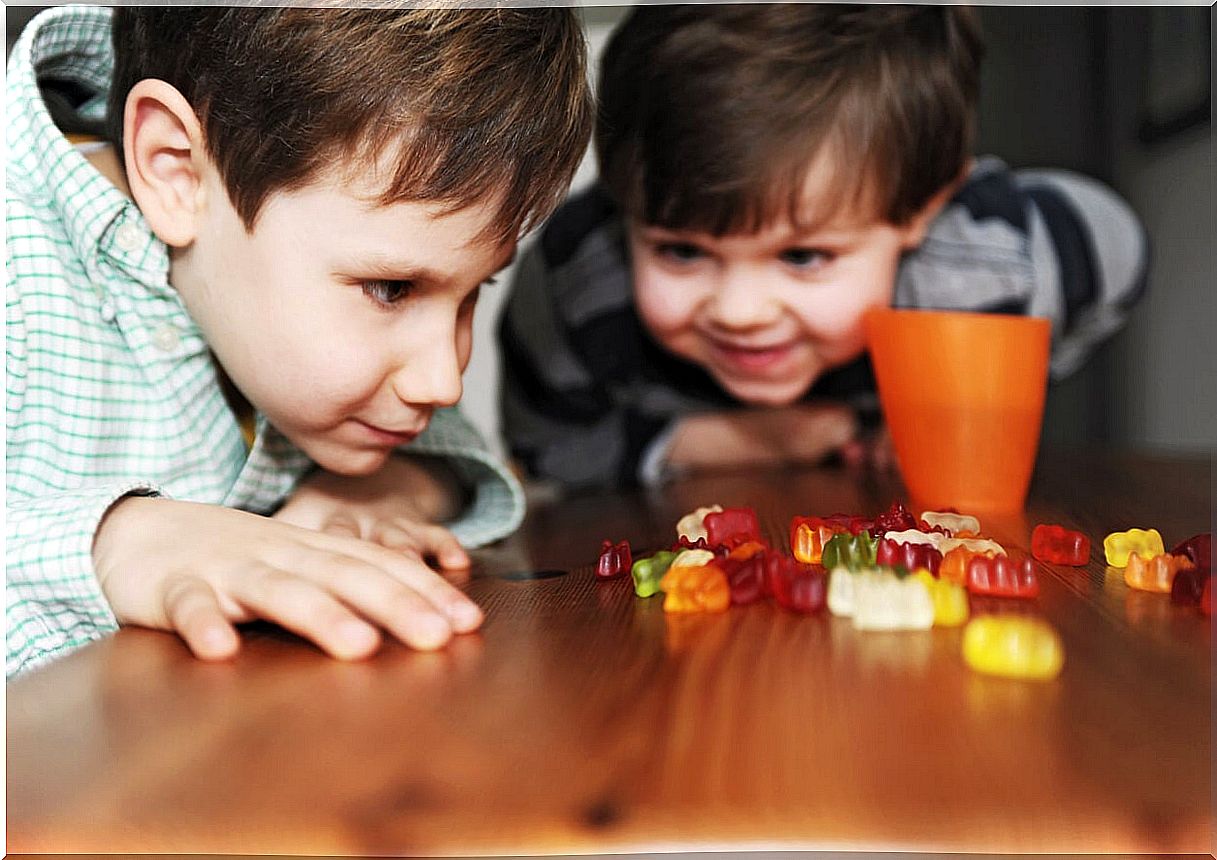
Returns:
point(681, 252)
point(806, 258)
point(386, 292)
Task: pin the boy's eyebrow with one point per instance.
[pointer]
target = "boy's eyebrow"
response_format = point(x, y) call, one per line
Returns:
point(383, 266)
point(390, 269)
point(800, 235)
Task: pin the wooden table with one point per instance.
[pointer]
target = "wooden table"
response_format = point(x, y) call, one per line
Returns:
point(584, 719)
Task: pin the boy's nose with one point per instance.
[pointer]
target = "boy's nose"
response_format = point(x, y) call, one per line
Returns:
point(742, 301)
point(430, 376)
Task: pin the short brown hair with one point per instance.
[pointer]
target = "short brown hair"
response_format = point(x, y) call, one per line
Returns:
point(711, 115)
point(468, 102)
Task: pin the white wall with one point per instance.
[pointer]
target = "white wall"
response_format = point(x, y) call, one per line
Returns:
point(1165, 365)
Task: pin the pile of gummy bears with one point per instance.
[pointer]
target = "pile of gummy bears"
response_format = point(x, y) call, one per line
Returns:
point(898, 572)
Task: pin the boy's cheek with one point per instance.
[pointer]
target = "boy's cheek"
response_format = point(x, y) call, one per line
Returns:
point(661, 307)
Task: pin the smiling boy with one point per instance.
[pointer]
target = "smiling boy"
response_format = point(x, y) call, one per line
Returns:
point(767, 174)
point(284, 234)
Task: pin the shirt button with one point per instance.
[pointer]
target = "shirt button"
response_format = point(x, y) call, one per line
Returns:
point(166, 338)
point(127, 237)
point(108, 314)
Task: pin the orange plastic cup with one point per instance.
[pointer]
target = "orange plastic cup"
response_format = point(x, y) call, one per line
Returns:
point(963, 397)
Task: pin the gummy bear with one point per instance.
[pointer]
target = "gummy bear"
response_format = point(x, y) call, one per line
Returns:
point(647, 572)
point(1013, 647)
point(695, 589)
point(1155, 574)
point(1059, 545)
point(1117, 546)
point(614, 559)
point(1002, 577)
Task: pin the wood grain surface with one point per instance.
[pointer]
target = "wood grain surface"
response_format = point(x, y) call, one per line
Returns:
point(584, 719)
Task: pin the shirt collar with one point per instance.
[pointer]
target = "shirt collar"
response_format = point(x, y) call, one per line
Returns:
point(73, 43)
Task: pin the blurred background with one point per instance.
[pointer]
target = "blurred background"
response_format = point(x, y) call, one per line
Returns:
point(1120, 93)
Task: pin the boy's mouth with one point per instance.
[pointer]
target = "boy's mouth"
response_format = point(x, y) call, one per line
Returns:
point(751, 360)
point(383, 436)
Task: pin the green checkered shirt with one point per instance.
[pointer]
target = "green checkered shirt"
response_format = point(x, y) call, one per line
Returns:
point(110, 386)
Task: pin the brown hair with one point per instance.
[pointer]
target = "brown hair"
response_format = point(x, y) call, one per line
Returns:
point(463, 103)
point(711, 115)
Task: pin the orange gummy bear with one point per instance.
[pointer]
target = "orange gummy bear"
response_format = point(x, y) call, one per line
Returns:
point(695, 589)
point(1156, 574)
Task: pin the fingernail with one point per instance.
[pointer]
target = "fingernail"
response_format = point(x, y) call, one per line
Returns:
point(465, 616)
point(218, 642)
point(357, 636)
point(431, 631)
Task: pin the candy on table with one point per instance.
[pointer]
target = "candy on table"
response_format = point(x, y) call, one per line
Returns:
point(1155, 574)
point(954, 566)
point(745, 577)
point(1059, 545)
point(852, 551)
point(731, 527)
point(851, 523)
point(1001, 576)
point(1145, 542)
point(683, 542)
point(1198, 548)
point(894, 519)
point(693, 558)
point(695, 589)
point(1013, 647)
point(950, 599)
point(841, 591)
point(954, 523)
point(795, 586)
point(808, 536)
point(1188, 586)
point(884, 601)
point(647, 572)
point(983, 546)
point(747, 549)
point(934, 539)
point(692, 525)
point(614, 559)
point(945, 544)
point(889, 553)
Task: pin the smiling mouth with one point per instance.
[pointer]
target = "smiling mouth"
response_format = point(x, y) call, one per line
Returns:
point(752, 359)
point(384, 436)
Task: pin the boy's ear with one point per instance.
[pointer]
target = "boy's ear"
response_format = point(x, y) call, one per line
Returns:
point(165, 160)
point(915, 229)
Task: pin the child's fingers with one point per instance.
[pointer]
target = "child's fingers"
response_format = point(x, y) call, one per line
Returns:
point(194, 612)
point(425, 539)
point(446, 548)
point(341, 524)
point(307, 609)
point(420, 619)
point(461, 612)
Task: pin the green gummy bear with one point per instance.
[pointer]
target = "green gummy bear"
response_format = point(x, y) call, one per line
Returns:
point(850, 551)
point(648, 571)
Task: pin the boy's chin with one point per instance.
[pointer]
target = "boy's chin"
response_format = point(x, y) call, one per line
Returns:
point(764, 396)
point(348, 462)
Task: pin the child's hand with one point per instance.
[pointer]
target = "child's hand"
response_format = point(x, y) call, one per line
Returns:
point(199, 569)
point(801, 433)
point(395, 507)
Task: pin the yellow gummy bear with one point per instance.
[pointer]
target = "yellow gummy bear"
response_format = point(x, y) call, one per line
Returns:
point(1013, 647)
point(1146, 543)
